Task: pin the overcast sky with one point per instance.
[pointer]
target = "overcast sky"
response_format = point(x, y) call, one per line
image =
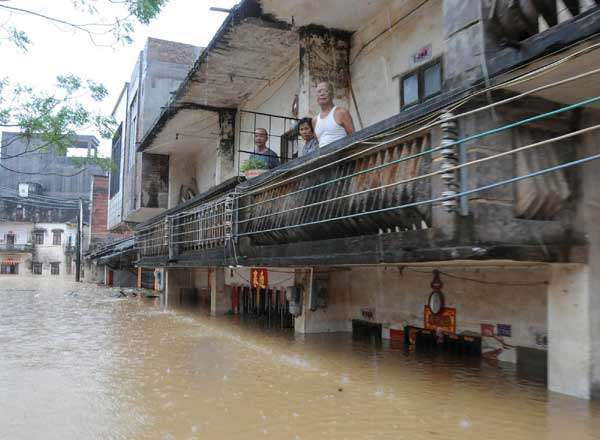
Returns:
point(56, 49)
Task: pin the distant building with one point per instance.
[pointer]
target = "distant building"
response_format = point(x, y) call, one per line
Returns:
point(39, 193)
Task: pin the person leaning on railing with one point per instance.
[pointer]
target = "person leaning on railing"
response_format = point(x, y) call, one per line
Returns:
point(305, 128)
point(333, 122)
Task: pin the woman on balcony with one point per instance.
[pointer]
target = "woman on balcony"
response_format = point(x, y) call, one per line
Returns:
point(305, 128)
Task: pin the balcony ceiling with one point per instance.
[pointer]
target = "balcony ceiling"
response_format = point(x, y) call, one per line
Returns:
point(246, 59)
point(572, 92)
point(346, 15)
point(188, 131)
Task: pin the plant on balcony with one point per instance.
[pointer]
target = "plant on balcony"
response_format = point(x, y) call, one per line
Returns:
point(253, 167)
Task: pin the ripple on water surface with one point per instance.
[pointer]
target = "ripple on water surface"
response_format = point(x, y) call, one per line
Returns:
point(77, 363)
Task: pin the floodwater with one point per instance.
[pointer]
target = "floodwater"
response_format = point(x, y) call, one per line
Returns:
point(76, 363)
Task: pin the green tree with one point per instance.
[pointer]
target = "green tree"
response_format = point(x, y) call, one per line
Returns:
point(53, 118)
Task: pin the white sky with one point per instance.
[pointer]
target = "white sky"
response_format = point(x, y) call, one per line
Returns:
point(57, 49)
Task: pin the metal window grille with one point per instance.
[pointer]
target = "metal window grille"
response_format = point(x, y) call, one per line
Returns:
point(39, 238)
point(282, 131)
point(55, 268)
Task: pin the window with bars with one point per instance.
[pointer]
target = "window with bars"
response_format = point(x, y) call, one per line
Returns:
point(421, 84)
point(36, 268)
point(115, 174)
point(38, 237)
point(54, 268)
point(56, 238)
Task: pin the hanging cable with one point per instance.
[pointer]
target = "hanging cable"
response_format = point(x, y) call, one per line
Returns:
point(428, 175)
point(431, 201)
point(430, 150)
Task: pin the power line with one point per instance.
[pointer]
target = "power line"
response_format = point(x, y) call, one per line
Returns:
point(431, 201)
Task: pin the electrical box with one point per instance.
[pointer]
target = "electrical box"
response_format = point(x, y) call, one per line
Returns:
point(319, 294)
point(293, 294)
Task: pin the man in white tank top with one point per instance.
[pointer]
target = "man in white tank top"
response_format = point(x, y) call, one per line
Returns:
point(332, 123)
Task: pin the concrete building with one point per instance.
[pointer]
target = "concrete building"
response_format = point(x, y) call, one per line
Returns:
point(460, 214)
point(138, 185)
point(40, 191)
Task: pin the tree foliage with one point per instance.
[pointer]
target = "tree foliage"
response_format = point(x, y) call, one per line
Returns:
point(54, 118)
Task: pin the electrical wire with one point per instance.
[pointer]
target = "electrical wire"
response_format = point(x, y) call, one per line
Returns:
point(474, 280)
point(430, 201)
point(430, 150)
point(433, 119)
point(428, 175)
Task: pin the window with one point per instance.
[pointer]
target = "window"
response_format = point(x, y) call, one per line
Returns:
point(20, 213)
point(421, 84)
point(115, 174)
point(132, 131)
point(37, 268)
point(56, 238)
point(38, 237)
point(54, 268)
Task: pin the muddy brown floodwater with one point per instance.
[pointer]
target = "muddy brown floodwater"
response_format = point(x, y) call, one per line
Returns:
point(76, 363)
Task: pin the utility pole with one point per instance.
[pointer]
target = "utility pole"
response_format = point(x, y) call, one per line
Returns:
point(78, 242)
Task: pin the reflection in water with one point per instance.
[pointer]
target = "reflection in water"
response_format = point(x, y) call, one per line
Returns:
point(79, 364)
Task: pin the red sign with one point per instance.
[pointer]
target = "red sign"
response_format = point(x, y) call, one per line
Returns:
point(487, 330)
point(445, 320)
point(260, 278)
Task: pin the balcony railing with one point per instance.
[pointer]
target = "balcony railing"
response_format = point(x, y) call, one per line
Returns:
point(15, 247)
point(206, 226)
point(331, 202)
point(153, 240)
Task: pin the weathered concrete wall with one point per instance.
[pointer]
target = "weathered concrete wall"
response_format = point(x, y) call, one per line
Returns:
point(324, 56)
point(382, 51)
point(333, 318)
point(165, 65)
point(397, 298)
point(588, 213)
point(569, 331)
point(182, 168)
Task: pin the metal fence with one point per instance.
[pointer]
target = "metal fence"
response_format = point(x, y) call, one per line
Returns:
point(153, 240)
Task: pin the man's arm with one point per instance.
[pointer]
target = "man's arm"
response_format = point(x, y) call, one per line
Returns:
point(344, 118)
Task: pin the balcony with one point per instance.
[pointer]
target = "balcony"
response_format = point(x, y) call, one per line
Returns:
point(5, 247)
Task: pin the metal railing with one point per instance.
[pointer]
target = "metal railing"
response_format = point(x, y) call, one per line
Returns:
point(519, 20)
point(6, 247)
point(282, 131)
point(153, 240)
point(204, 227)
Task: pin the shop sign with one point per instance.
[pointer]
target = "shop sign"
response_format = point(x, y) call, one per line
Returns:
point(10, 259)
point(421, 55)
point(260, 278)
point(445, 320)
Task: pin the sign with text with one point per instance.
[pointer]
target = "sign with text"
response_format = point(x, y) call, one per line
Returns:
point(445, 320)
point(421, 55)
point(260, 278)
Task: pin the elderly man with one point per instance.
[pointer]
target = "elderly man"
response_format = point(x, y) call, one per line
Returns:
point(333, 122)
point(261, 152)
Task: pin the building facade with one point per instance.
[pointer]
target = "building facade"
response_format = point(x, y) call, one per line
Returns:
point(460, 214)
point(40, 194)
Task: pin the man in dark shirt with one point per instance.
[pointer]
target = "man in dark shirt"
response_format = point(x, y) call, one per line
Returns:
point(261, 152)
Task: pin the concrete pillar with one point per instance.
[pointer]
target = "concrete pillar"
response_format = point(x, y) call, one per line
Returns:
point(569, 330)
point(219, 296)
point(324, 56)
point(225, 168)
point(462, 40)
